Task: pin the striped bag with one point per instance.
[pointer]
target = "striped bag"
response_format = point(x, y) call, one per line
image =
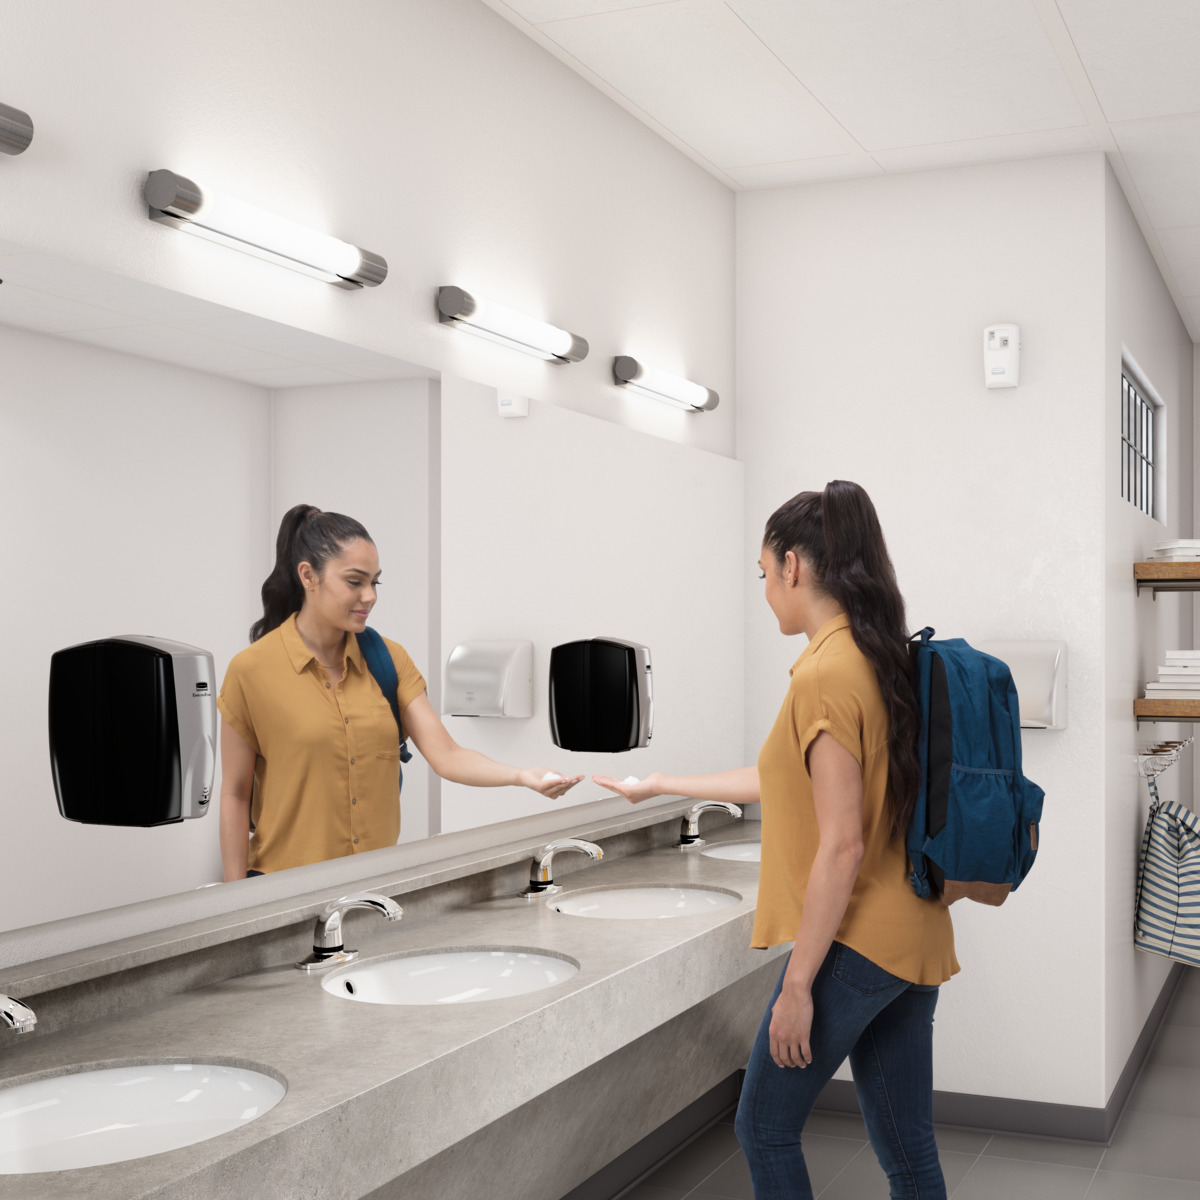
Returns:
point(1167, 921)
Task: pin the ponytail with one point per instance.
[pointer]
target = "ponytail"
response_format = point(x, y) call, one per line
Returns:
point(306, 534)
point(837, 533)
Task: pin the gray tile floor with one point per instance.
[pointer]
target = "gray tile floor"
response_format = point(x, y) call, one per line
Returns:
point(1155, 1153)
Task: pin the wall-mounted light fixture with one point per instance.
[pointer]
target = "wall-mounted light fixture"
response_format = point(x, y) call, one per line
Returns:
point(509, 328)
point(183, 204)
point(16, 130)
point(662, 386)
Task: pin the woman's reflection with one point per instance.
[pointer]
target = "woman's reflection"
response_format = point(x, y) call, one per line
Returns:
point(310, 757)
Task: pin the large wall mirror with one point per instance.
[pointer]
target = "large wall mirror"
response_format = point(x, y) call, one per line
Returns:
point(154, 441)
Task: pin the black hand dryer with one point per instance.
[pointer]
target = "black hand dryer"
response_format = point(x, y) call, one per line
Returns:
point(132, 731)
point(600, 695)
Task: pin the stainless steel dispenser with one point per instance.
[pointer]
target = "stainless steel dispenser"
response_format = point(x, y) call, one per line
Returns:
point(132, 731)
point(601, 695)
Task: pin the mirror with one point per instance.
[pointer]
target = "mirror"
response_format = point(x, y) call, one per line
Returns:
point(155, 441)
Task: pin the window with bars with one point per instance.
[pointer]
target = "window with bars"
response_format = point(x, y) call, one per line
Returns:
point(1137, 446)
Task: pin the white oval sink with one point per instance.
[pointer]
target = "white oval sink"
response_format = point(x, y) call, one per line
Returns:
point(738, 851)
point(645, 903)
point(117, 1113)
point(451, 977)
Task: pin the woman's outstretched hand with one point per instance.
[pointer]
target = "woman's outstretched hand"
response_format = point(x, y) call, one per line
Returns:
point(634, 790)
point(547, 782)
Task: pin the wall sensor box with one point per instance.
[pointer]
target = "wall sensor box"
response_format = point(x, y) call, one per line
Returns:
point(1001, 356)
point(132, 731)
point(601, 695)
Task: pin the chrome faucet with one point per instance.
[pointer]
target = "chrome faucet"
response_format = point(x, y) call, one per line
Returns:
point(328, 950)
point(16, 1016)
point(541, 882)
point(689, 831)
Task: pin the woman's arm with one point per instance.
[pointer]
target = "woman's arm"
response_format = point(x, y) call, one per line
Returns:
point(738, 787)
point(237, 781)
point(838, 798)
point(461, 765)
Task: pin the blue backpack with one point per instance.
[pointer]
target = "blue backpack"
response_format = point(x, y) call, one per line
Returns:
point(974, 830)
point(383, 670)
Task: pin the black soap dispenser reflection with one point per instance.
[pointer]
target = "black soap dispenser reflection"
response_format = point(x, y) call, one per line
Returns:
point(601, 695)
point(132, 731)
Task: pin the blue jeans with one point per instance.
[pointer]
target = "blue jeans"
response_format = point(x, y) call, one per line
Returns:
point(885, 1026)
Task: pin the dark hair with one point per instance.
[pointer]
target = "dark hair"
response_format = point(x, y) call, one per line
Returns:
point(306, 534)
point(837, 533)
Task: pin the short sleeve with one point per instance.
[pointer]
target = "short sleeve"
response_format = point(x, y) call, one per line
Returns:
point(411, 681)
point(233, 706)
point(820, 705)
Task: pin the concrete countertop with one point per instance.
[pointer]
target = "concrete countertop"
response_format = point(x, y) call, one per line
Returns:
point(374, 1090)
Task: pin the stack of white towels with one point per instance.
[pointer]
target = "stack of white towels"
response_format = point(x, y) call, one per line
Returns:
point(1179, 550)
point(1178, 677)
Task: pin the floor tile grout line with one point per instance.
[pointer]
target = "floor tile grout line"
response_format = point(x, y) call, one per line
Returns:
point(711, 1173)
point(853, 1158)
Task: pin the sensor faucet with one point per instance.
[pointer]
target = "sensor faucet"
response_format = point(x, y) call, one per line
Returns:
point(541, 881)
point(328, 950)
point(16, 1016)
point(689, 831)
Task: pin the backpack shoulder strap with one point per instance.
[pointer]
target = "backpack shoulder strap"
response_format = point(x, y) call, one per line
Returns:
point(383, 670)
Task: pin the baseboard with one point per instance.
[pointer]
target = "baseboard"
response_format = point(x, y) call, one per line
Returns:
point(1033, 1117)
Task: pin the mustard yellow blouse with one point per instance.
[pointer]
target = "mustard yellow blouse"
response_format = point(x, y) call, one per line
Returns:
point(326, 777)
point(833, 688)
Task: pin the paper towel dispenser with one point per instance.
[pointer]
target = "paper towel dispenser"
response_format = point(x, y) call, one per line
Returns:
point(601, 695)
point(489, 679)
point(132, 731)
point(1039, 671)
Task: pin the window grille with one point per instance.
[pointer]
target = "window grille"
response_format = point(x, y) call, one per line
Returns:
point(1137, 447)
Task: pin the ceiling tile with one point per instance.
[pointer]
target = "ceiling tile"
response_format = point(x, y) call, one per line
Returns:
point(537, 11)
point(1182, 250)
point(681, 67)
point(1016, 145)
point(900, 75)
point(1163, 159)
point(806, 170)
point(1140, 57)
point(182, 347)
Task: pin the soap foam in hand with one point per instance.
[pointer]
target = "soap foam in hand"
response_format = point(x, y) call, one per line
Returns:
point(630, 779)
point(551, 777)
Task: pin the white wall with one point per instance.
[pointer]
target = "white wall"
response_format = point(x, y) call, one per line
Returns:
point(435, 134)
point(364, 450)
point(559, 526)
point(1142, 324)
point(861, 306)
point(136, 497)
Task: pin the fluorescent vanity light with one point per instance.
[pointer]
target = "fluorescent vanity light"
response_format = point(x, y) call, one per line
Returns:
point(177, 201)
point(16, 130)
point(509, 328)
point(660, 385)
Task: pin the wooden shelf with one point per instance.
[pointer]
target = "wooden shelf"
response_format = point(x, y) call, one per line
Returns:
point(1167, 576)
point(1166, 710)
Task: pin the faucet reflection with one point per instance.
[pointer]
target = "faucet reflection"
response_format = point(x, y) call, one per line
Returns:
point(16, 1016)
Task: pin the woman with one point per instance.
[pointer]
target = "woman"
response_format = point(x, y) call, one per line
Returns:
point(837, 777)
point(310, 753)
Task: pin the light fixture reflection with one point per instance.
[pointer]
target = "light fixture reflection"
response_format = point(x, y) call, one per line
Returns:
point(660, 385)
point(509, 328)
point(16, 130)
point(183, 204)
